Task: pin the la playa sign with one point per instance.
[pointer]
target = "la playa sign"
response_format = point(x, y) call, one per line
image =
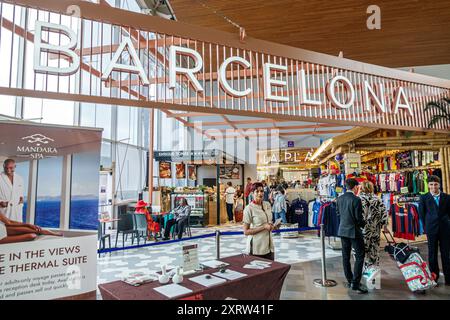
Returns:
point(373, 94)
point(115, 57)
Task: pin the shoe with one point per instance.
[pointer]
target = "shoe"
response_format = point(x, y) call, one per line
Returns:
point(447, 284)
point(165, 239)
point(360, 289)
point(347, 284)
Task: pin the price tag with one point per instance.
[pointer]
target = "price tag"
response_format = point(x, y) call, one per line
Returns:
point(404, 190)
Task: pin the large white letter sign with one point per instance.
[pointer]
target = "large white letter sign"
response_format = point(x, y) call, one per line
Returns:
point(303, 97)
point(223, 76)
point(269, 82)
point(400, 95)
point(174, 69)
point(370, 95)
point(348, 88)
point(66, 50)
point(136, 68)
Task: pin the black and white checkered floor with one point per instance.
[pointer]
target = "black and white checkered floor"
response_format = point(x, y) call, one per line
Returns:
point(302, 253)
point(116, 265)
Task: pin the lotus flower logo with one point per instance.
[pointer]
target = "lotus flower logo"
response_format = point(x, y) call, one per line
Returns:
point(38, 139)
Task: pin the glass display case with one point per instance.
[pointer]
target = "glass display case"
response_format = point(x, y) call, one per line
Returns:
point(198, 202)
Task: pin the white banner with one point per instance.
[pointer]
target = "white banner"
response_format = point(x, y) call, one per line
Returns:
point(49, 268)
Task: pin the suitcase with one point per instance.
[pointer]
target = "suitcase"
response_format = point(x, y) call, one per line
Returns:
point(414, 269)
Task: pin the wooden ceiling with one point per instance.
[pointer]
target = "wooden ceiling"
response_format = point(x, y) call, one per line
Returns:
point(413, 33)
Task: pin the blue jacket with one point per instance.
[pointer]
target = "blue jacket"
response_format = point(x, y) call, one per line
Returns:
point(435, 219)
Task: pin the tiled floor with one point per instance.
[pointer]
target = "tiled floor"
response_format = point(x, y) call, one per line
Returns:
point(302, 253)
point(299, 283)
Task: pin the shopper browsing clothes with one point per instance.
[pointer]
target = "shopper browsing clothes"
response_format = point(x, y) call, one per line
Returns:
point(247, 190)
point(238, 204)
point(229, 200)
point(14, 231)
point(349, 209)
point(434, 211)
point(181, 213)
point(376, 217)
point(279, 205)
point(258, 225)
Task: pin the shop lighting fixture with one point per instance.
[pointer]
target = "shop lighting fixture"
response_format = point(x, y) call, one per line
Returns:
point(322, 147)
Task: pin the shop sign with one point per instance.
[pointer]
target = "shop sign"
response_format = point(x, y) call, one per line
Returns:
point(283, 156)
point(185, 155)
point(373, 94)
point(38, 147)
point(252, 77)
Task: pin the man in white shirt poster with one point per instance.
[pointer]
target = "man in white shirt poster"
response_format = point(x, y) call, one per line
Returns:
point(11, 191)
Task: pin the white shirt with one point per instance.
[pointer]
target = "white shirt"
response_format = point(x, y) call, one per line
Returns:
point(229, 195)
point(12, 193)
point(256, 216)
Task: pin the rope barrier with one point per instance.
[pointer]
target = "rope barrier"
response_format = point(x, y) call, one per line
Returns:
point(208, 235)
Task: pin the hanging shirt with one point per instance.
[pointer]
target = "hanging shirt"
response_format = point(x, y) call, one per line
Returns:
point(405, 221)
point(299, 211)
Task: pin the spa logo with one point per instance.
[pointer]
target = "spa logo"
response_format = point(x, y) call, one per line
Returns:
point(38, 139)
point(39, 148)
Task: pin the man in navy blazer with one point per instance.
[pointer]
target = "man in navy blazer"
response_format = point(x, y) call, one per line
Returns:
point(434, 211)
point(349, 210)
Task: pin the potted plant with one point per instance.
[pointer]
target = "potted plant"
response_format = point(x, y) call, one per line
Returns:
point(443, 108)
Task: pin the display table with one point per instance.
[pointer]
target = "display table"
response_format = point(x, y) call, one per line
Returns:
point(262, 284)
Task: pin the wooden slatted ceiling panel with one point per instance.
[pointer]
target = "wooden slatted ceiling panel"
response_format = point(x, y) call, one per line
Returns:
point(412, 33)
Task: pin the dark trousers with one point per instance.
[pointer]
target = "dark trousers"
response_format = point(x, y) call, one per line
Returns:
point(435, 242)
point(230, 211)
point(358, 244)
point(179, 227)
point(269, 256)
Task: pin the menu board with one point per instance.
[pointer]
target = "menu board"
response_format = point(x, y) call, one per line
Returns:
point(229, 172)
point(190, 258)
point(164, 170)
point(192, 174)
point(180, 170)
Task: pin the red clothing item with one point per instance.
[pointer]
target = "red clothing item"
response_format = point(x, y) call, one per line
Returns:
point(248, 189)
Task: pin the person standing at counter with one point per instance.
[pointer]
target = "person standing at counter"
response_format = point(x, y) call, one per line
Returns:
point(229, 199)
point(181, 213)
point(11, 191)
point(258, 225)
point(247, 190)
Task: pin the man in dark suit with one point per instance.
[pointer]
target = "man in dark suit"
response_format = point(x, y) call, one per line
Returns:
point(434, 211)
point(349, 209)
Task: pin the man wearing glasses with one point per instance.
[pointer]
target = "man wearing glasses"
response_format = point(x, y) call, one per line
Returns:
point(434, 211)
point(11, 191)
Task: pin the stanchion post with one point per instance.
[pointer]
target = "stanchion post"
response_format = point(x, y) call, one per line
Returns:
point(217, 244)
point(324, 282)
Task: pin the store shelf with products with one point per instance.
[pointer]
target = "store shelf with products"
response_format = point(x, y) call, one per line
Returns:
point(197, 200)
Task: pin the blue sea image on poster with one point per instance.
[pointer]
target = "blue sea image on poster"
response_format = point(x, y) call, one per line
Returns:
point(84, 201)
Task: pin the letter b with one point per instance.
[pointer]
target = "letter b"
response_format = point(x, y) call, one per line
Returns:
point(67, 50)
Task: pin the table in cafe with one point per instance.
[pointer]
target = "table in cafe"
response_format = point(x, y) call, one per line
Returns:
point(104, 222)
point(259, 284)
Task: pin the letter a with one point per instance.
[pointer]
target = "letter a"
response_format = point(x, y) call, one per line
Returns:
point(114, 65)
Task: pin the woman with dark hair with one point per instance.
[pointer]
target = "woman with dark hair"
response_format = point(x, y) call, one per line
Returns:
point(13, 231)
point(258, 225)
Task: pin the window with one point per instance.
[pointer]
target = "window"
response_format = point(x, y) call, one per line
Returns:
point(48, 199)
point(84, 191)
